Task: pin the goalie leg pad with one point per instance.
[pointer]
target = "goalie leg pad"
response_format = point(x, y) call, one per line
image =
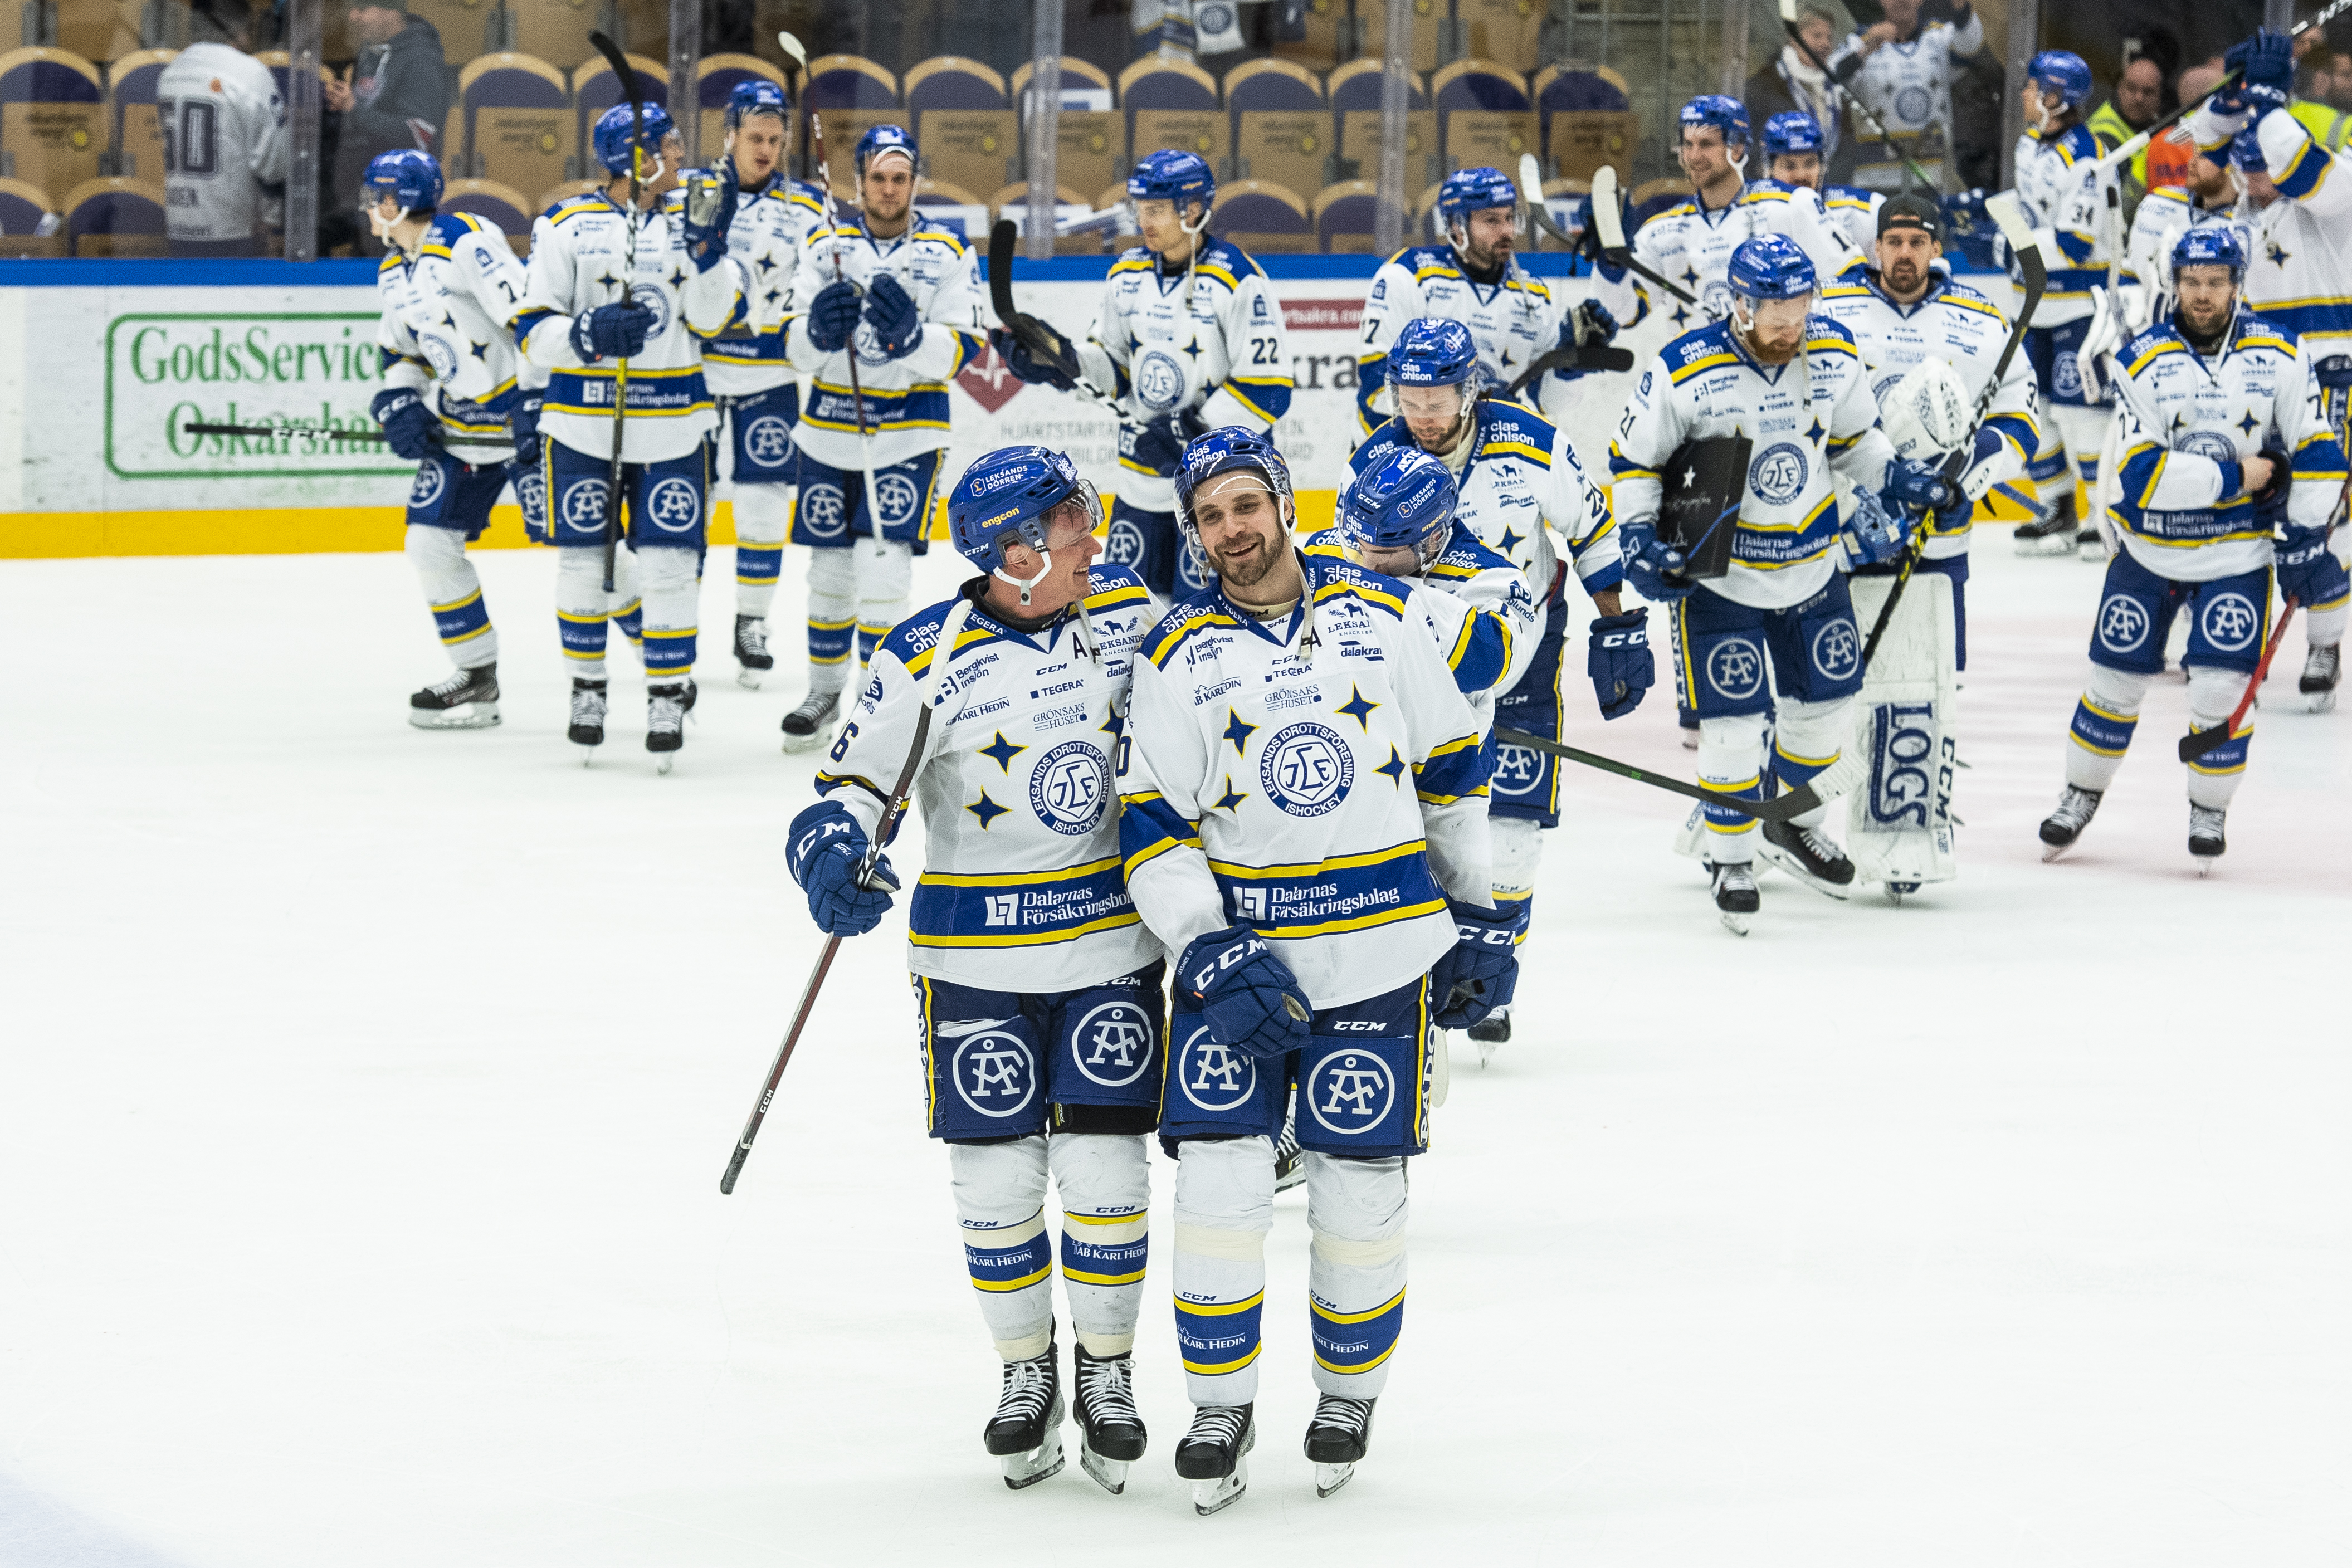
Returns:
point(1899, 824)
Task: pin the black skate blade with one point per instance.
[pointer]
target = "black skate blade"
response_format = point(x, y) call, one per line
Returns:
point(1041, 1463)
point(1329, 1479)
point(1109, 1474)
point(2052, 852)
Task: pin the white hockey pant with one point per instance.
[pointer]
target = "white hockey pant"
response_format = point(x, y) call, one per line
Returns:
point(1517, 851)
point(1804, 738)
point(452, 591)
point(763, 518)
point(584, 610)
point(2114, 697)
point(865, 588)
point(1104, 1182)
point(2073, 436)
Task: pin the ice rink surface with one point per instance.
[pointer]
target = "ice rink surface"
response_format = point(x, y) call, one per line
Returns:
point(365, 1093)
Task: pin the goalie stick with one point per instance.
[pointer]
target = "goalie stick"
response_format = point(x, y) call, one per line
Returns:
point(1608, 232)
point(1878, 126)
point(634, 220)
point(1042, 338)
point(273, 432)
point(1839, 775)
point(2198, 742)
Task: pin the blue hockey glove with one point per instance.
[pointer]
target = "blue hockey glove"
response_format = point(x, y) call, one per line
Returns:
point(710, 202)
point(2305, 570)
point(522, 427)
point(1919, 485)
point(612, 332)
point(821, 850)
point(832, 315)
point(2266, 64)
point(890, 312)
point(1618, 660)
point(1481, 970)
point(1647, 563)
point(1876, 530)
point(1158, 444)
point(1028, 368)
point(409, 427)
point(1588, 323)
point(1249, 997)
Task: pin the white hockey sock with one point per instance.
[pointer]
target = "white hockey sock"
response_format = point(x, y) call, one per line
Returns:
point(673, 591)
point(452, 591)
point(1517, 851)
point(764, 518)
point(1731, 762)
point(2102, 731)
point(2321, 628)
point(2215, 777)
point(1103, 1184)
point(886, 575)
point(2085, 432)
point(1355, 1209)
point(582, 609)
point(1224, 1207)
point(832, 617)
point(1000, 1200)
point(1807, 740)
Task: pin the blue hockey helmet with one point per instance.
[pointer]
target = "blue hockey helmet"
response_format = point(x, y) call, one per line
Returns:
point(412, 179)
point(1404, 501)
point(1724, 113)
point(1794, 131)
point(2246, 150)
point(1433, 352)
point(617, 132)
point(1230, 449)
point(2210, 244)
point(1007, 494)
point(1769, 267)
point(758, 96)
point(1468, 191)
point(1173, 175)
point(882, 141)
point(2060, 75)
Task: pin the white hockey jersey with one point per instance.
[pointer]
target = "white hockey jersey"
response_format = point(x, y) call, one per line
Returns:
point(765, 239)
point(1021, 821)
point(1801, 418)
point(579, 256)
point(224, 130)
point(2300, 245)
point(2166, 214)
point(1209, 338)
point(1855, 213)
point(2177, 497)
point(2064, 197)
point(1692, 245)
point(444, 331)
point(1964, 330)
point(1317, 779)
point(1909, 86)
point(1478, 612)
point(905, 399)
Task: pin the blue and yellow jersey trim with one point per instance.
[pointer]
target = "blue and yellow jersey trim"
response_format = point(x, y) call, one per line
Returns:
point(1683, 372)
point(438, 238)
point(1148, 827)
point(1179, 626)
point(2306, 171)
point(1453, 770)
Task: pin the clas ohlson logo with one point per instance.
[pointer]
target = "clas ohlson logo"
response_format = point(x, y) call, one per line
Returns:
point(307, 373)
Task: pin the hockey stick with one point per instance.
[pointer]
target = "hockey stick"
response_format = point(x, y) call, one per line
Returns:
point(849, 349)
point(2036, 270)
point(1608, 225)
point(628, 79)
point(1043, 339)
point(273, 432)
point(795, 73)
point(1841, 775)
point(1599, 356)
point(2198, 742)
point(1886, 140)
point(2131, 145)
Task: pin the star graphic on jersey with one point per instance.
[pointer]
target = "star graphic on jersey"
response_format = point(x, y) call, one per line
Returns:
point(1512, 539)
point(1236, 731)
point(481, 351)
point(1115, 724)
point(986, 810)
point(775, 295)
point(1507, 360)
point(1231, 798)
point(1815, 434)
point(1001, 751)
point(608, 280)
point(447, 319)
point(1394, 768)
point(1680, 316)
point(1690, 273)
point(1192, 347)
point(676, 277)
point(766, 265)
point(1357, 709)
point(2277, 255)
point(2178, 420)
point(2249, 423)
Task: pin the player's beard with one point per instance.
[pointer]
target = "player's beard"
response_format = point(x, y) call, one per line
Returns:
point(1245, 563)
point(1767, 354)
point(1906, 278)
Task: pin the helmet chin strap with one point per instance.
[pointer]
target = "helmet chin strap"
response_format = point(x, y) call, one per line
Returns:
point(382, 225)
point(1738, 165)
point(1026, 585)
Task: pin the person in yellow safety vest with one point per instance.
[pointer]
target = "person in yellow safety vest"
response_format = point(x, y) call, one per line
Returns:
point(2137, 99)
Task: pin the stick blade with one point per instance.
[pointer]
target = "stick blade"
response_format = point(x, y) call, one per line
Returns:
point(1606, 215)
point(1532, 180)
point(1003, 239)
point(792, 46)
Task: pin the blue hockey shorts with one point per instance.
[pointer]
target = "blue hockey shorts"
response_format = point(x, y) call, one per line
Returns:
point(1522, 781)
point(1362, 1083)
point(995, 1063)
point(834, 508)
point(668, 501)
point(448, 493)
point(1723, 650)
point(2230, 618)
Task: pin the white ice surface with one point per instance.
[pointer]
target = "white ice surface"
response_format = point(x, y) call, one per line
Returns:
point(364, 1094)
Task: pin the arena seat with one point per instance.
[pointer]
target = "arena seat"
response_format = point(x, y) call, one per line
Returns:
point(1500, 29)
point(1089, 144)
point(1346, 218)
point(1282, 126)
point(964, 122)
point(464, 26)
point(115, 216)
point(23, 206)
point(52, 117)
point(563, 191)
point(1261, 215)
point(1651, 197)
point(714, 81)
point(955, 208)
point(1373, 30)
point(1355, 90)
point(842, 127)
point(1318, 46)
point(1173, 104)
point(1584, 119)
point(1012, 202)
point(1479, 85)
point(138, 139)
point(1078, 75)
point(514, 122)
point(847, 82)
point(1486, 115)
point(501, 207)
point(95, 30)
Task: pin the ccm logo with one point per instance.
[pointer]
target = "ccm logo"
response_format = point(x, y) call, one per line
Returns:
point(1633, 639)
point(1361, 1026)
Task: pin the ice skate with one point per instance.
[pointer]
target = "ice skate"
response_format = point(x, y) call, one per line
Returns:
point(1338, 1435)
point(1735, 897)
point(1287, 1170)
point(587, 731)
point(752, 660)
point(1690, 738)
point(2051, 533)
point(1490, 1033)
point(1025, 1433)
point(1215, 1455)
point(2205, 843)
point(2320, 667)
point(469, 699)
point(1110, 1429)
point(805, 725)
point(2090, 546)
point(666, 708)
point(1810, 855)
point(2062, 827)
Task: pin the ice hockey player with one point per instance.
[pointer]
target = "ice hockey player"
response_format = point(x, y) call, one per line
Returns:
point(1906, 316)
point(1513, 317)
point(1189, 338)
point(1304, 824)
point(226, 191)
point(1036, 985)
point(1793, 157)
point(2222, 443)
point(2061, 191)
point(2210, 195)
point(901, 294)
point(757, 389)
point(637, 272)
point(450, 285)
point(1518, 480)
point(1781, 606)
point(1692, 241)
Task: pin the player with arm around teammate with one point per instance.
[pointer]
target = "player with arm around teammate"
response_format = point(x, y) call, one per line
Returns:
point(1792, 383)
point(1304, 824)
point(449, 285)
point(2224, 441)
point(1037, 988)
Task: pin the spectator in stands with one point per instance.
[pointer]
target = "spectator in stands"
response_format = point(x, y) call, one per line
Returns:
point(225, 185)
point(394, 97)
point(2323, 78)
point(1794, 81)
point(1901, 68)
point(2133, 107)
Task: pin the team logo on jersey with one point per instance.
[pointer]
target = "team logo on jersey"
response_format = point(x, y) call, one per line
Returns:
point(1778, 475)
point(1125, 544)
point(2065, 374)
point(1158, 380)
point(1307, 769)
point(1735, 668)
point(1715, 299)
point(1213, 1075)
point(1517, 769)
point(768, 441)
point(1191, 568)
point(1837, 650)
point(583, 506)
point(1112, 1044)
point(820, 512)
point(674, 505)
point(1913, 105)
point(993, 1071)
point(2210, 443)
point(898, 497)
point(2123, 622)
point(439, 353)
point(1069, 788)
point(1349, 1091)
point(649, 297)
point(2229, 622)
point(426, 487)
